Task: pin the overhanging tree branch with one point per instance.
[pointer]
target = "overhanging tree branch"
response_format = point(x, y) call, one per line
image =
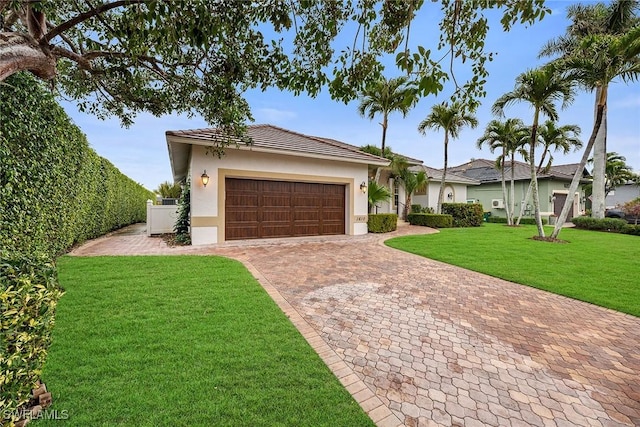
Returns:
point(87, 15)
point(19, 52)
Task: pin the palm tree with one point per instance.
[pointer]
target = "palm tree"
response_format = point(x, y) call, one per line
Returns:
point(452, 119)
point(411, 182)
point(168, 190)
point(617, 171)
point(616, 19)
point(384, 97)
point(605, 57)
point(505, 136)
point(554, 138)
point(541, 88)
point(377, 193)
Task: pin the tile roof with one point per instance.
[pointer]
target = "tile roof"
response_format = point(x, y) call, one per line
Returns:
point(436, 175)
point(273, 138)
point(484, 170)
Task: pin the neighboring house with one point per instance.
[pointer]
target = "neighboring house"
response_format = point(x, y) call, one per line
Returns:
point(396, 203)
point(284, 184)
point(552, 187)
point(622, 194)
point(455, 190)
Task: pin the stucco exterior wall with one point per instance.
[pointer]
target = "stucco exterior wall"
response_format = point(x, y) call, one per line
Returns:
point(207, 204)
point(485, 193)
point(458, 194)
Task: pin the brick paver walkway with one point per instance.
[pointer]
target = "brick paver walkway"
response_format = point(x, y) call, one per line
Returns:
point(421, 343)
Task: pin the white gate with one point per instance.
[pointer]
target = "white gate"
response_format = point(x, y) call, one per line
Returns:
point(160, 218)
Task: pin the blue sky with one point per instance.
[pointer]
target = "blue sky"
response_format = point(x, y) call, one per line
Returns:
point(140, 151)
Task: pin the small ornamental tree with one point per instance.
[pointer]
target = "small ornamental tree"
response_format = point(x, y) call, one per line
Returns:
point(632, 209)
point(181, 226)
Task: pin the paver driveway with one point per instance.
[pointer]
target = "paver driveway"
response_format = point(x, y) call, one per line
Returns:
point(420, 342)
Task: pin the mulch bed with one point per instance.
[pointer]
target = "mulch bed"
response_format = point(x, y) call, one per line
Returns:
point(548, 239)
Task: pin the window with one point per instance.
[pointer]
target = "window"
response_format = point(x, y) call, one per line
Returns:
point(395, 193)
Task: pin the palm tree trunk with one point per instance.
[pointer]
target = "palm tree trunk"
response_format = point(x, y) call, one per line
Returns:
point(504, 188)
point(444, 173)
point(524, 201)
point(599, 162)
point(544, 155)
point(578, 174)
point(512, 198)
point(534, 178)
point(382, 145)
point(384, 133)
point(407, 204)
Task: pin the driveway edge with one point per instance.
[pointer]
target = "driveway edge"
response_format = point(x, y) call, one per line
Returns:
point(363, 395)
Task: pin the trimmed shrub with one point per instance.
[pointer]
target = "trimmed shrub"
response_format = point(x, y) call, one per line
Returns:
point(431, 220)
point(417, 208)
point(29, 293)
point(605, 224)
point(634, 230)
point(382, 223)
point(523, 221)
point(464, 214)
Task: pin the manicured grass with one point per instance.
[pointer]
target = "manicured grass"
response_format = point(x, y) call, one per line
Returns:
point(195, 341)
point(600, 268)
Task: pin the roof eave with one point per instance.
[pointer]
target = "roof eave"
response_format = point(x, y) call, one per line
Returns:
point(173, 138)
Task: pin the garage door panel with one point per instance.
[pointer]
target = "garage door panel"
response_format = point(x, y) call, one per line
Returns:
point(275, 215)
point(306, 200)
point(244, 215)
point(276, 230)
point(261, 208)
point(307, 230)
point(307, 215)
point(277, 187)
point(303, 188)
point(242, 200)
point(333, 229)
point(276, 200)
point(241, 231)
point(333, 216)
point(333, 203)
point(337, 190)
point(242, 185)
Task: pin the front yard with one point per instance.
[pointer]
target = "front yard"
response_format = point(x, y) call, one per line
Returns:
point(600, 268)
point(183, 341)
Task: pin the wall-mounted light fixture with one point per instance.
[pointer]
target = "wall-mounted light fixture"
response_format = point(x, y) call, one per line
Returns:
point(205, 178)
point(363, 187)
point(450, 196)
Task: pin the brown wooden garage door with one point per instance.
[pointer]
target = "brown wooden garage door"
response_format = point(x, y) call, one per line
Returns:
point(256, 209)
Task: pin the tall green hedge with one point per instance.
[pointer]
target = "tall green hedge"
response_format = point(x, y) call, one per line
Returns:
point(464, 214)
point(55, 191)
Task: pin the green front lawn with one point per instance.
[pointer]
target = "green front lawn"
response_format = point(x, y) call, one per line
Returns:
point(600, 268)
point(151, 341)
